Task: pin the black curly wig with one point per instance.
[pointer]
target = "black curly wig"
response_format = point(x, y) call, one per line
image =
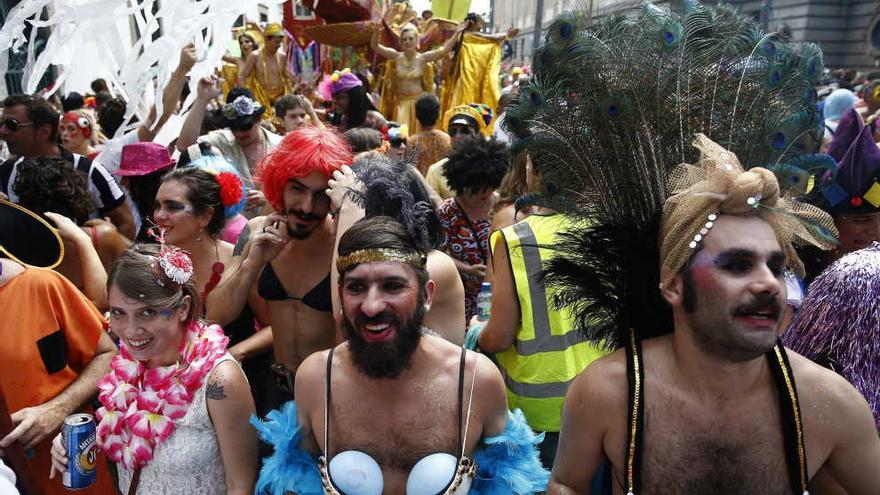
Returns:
point(52, 184)
point(476, 164)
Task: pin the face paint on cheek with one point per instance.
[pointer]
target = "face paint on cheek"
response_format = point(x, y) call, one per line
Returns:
point(166, 313)
point(702, 267)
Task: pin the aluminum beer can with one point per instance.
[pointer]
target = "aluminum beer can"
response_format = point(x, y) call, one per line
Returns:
point(78, 437)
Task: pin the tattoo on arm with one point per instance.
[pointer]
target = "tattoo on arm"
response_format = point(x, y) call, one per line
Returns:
point(215, 391)
point(243, 239)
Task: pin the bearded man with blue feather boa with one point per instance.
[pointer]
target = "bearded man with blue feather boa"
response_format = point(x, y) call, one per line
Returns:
point(395, 409)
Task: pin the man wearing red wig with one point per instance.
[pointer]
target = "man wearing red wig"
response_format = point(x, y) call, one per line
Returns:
point(284, 257)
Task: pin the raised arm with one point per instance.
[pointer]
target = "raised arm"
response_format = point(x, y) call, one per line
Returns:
point(441, 52)
point(384, 51)
point(499, 36)
point(347, 213)
point(92, 273)
point(171, 93)
point(207, 89)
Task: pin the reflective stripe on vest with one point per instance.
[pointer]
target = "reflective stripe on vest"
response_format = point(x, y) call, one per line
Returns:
point(547, 353)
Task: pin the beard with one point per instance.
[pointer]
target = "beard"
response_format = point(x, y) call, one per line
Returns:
point(385, 359)
point(300, 232)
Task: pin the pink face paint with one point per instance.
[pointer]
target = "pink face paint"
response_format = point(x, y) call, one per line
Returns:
point(701, 268)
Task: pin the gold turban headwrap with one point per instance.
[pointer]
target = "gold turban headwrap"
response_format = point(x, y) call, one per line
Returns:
point(717, 185)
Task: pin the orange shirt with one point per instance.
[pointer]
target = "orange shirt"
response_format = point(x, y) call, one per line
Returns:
point(48, 334)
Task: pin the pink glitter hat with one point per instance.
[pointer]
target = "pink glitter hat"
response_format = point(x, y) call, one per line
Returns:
point(143, 159)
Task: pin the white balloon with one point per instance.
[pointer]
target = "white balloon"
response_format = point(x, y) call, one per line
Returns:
point(356, 473)
point(431, 474)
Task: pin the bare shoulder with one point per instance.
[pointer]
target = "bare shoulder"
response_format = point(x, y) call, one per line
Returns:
point(602, 385)
point(441, 268)
point(226, 380)
point(818, 386)
point(310, 378)
point(488, 378)
point(110, 242)
point(225, 249)
point(227, 373)
point(504, 217)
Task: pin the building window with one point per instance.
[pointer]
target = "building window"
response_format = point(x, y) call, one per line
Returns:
point(874, 35)
point(264, 13)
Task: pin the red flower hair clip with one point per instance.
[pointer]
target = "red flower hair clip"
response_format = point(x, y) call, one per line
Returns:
point(230, 188)
point(174, 262)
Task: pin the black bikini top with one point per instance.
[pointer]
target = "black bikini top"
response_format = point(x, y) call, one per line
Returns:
point(270, 289)
point(792, 426)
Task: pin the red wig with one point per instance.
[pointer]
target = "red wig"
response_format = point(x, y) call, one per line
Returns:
point(301, 152)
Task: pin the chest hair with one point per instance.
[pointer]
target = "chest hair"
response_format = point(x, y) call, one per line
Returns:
point(720, 449)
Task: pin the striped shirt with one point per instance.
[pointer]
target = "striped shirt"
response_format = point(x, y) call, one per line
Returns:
point(102, 185)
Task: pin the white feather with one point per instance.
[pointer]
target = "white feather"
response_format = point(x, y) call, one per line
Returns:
point(87, 42)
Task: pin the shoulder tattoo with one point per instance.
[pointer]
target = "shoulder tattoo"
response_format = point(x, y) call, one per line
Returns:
point(215, 391)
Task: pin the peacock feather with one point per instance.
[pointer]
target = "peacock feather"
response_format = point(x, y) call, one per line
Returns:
point(615, 103)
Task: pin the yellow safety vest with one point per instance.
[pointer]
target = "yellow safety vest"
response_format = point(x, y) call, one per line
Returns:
point(547, 353)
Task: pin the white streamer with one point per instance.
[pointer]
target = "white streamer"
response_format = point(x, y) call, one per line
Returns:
point(87, 42)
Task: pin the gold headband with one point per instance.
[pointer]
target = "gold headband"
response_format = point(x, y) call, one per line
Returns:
point(380, 255)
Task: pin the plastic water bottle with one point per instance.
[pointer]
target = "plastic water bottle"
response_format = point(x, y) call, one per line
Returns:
point(484, 301)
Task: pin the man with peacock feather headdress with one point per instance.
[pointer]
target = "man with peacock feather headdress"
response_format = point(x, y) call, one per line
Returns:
point(682, 137)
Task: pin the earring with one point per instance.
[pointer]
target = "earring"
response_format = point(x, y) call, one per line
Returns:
point(200, 236)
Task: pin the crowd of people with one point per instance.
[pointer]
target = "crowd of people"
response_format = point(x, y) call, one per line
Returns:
point(290, 297)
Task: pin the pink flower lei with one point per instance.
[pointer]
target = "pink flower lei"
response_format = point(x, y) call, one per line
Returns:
point(140, 405)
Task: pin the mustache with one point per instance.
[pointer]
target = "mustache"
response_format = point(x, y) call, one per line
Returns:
point(760, 303)
point(302, 215)
point(385, 317)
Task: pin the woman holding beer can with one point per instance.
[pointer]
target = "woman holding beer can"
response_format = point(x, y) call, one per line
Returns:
point(175, 405)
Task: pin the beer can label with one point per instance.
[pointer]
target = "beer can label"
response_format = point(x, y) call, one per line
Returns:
point(78, 436)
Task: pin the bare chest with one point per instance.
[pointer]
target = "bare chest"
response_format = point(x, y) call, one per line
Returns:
point(269, 67)
point(254, 152)
point(396, 429)
point(724, 449)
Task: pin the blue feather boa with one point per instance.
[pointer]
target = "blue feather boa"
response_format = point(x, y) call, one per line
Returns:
point(506, 464)
point(289, 468)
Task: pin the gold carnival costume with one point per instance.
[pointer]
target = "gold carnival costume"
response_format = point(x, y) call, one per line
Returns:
point(474, 77)
point(229, 71)
point(398, 107)
point(264, 91)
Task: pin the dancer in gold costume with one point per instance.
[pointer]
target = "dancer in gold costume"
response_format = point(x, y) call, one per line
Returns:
point(271, 79)
point(408, 74)
point(250, 38)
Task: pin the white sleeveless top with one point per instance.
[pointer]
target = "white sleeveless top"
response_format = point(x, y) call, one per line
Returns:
point(189, 460)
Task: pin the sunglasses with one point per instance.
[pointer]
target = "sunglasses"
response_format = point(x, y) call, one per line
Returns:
point(14, 125)
point(454, 132)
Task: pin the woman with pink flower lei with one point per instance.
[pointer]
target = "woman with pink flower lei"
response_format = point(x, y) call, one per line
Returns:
point(175, 405)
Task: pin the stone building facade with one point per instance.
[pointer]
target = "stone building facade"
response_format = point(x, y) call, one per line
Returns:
point(847, 30)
